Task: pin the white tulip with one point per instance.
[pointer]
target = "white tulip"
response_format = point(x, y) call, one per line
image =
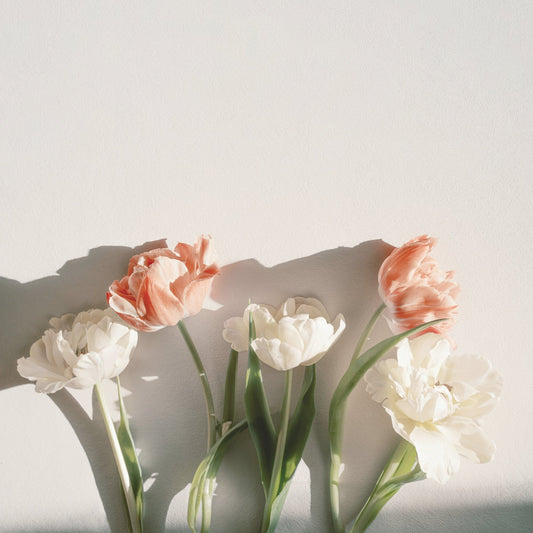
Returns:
point(298, 333)
point(435, 400)
point(79, 351)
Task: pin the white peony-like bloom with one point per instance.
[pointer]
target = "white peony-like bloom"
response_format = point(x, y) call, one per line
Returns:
point(435, 400)
point(79, 351)
point(298, 333)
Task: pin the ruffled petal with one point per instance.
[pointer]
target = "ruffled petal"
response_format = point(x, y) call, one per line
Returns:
point(469, 439)
point(89, 369)
point(437, 456)
point(156, 303)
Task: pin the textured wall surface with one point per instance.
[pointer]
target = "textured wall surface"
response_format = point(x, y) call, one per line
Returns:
point(307, 138)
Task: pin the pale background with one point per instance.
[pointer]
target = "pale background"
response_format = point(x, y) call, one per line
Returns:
point(285, 130)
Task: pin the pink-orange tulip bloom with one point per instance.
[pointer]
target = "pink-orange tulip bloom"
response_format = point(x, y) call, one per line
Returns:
point(414, 288)
point(163, 285)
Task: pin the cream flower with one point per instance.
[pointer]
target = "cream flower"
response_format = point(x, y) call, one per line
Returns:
point(298, 333)
point(435, 400)
point(79, 351)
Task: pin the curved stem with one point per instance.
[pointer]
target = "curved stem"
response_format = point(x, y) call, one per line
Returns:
point(119, 460)
point(336, 428)
point(211, 416)
point(280, 452)
point(366, 332)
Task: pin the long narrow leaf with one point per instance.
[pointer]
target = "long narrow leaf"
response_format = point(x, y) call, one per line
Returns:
point(195, 493)
point(299, 426)
point(277, 507)
point(258, 415)
point(207, 471)
point(127, 446)
point(297, 435)
point(387, 486)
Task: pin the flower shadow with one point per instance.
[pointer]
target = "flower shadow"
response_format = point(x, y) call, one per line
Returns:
point(345, 280)
point(26, 308)
point(166, 403)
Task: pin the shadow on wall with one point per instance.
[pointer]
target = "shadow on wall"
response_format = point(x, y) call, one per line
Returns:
point(166, 404)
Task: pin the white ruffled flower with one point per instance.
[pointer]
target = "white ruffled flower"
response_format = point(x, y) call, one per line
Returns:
point(435, 401)
point(298, 333)
point(79, 351)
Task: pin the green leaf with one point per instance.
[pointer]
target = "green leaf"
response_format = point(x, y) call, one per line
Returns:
point(207, 472)
point(299, 425)
point(258, 415)
point(297, 435)
point(127, 447)
point(195, 493)
point(406, 470)
point(277, 507)
point(355, 372)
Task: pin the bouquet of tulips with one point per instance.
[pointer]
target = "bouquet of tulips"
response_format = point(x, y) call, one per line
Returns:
point(435, 398)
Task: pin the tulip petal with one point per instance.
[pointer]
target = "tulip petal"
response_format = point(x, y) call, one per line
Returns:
point(156, 303)
point(90, 369)
point(236, 333)
point(311, 306)
point(469, 439)
point(195, 294)
point(277, 354)
point(48, 379)
point(289, 332)
point(437, 456)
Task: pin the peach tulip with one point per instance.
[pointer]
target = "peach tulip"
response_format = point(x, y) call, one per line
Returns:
point(415, 290)
point(163, 285)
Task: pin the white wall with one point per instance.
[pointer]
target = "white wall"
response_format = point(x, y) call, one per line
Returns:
point(285, 130)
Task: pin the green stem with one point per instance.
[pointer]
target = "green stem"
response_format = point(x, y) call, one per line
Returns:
point(119, 460)
point(401, 468)
point(211, 416)
point(206, 505)
point(228, 413)
point(334, 474)
point(367, 331)
point(280, 452)
point(336, 428)
point(388, 472)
